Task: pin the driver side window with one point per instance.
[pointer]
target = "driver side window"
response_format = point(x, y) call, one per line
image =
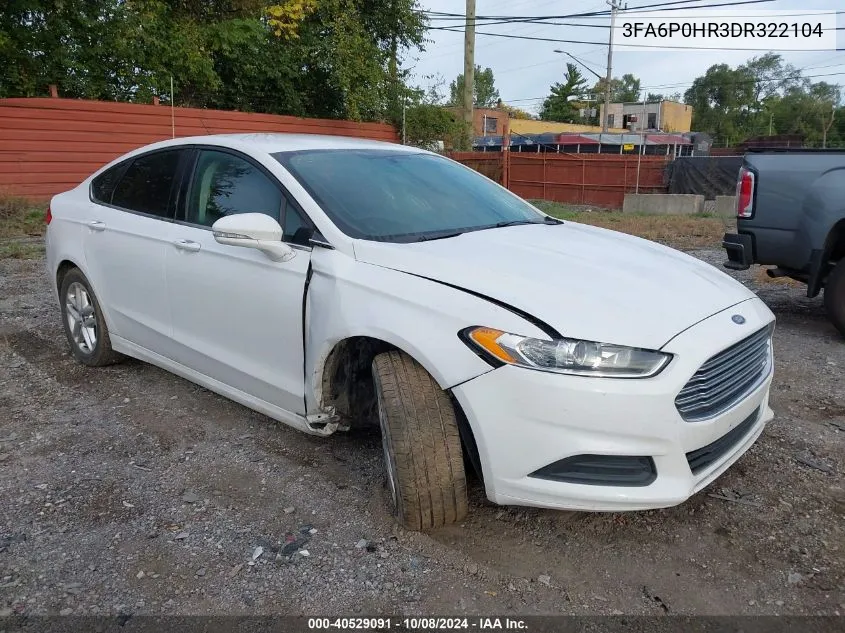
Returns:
point(225, 184)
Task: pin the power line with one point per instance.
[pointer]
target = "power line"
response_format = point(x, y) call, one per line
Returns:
point(666, 6)
point(660, 46)
point(546, 22)
point(570, 15)
point(487, 44)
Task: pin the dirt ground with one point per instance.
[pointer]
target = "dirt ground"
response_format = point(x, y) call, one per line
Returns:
point(129, 490)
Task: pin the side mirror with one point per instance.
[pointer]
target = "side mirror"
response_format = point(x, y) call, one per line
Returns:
point(253, 230)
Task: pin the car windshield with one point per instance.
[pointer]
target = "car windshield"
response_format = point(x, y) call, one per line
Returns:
point(395, 196)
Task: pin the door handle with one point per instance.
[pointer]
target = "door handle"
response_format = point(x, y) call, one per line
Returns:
point(96, 225)
point(187, 245)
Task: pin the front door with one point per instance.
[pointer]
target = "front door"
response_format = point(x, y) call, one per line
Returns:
point(236, 314)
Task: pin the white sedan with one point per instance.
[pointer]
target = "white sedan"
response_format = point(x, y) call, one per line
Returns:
point(327, 282)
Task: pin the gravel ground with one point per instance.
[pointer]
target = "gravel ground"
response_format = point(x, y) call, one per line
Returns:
point(129, 490)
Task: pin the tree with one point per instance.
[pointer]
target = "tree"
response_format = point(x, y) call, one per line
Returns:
point(810, 111)
point(557, 106)
point(654, 97)
point(761, 95)
point(720, 100)
point(330, 58)
point(622, 90)
point(628, 89)
point(484, 91)
point(426, 124)
point(514, 112)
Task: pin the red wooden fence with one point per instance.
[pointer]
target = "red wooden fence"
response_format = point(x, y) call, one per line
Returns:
point(50, 145)
point(595, 179)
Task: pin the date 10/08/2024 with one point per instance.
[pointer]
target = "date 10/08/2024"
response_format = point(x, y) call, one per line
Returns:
point(416, 623)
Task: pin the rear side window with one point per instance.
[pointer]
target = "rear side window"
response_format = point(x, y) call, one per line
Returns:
point(102, 186)
point(147, 183)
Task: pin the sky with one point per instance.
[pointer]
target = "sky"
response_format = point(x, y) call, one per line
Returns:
point(524, 70)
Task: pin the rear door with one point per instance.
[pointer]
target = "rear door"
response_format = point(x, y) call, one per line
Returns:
point(128, 230)
point(236, 314)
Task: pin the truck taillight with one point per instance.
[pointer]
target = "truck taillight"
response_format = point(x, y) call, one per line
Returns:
point(48, 217)
point(745, 194)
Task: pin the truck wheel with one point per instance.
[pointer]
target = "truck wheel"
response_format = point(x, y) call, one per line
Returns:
point(834, 296)
point(85, 326)
point(422, 445)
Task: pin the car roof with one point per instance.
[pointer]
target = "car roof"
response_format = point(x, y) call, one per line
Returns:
point(271, 143)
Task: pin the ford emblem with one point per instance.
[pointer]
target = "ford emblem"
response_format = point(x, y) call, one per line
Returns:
point(738, 319)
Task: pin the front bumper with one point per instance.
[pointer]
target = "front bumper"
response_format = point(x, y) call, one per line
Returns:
point(524, 420)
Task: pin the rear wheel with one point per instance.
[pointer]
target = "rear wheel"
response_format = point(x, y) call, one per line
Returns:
point(422, 445)
point(84, 324)
point(834, 296)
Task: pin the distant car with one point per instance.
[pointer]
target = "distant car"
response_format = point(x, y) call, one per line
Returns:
point(328, 282)
point(791, 213)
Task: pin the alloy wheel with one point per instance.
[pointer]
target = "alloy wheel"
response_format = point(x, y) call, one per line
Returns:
point(81, 318)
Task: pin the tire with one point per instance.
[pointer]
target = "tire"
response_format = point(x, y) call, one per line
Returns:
point(422, 445)
point(834, 296)
point(85, 327)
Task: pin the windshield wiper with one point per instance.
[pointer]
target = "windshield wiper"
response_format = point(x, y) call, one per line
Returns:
point(545, 220)
point(499, 225)
point(441, 236)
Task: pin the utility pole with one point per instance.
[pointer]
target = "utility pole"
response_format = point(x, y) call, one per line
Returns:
point(826, 125)
point(469, 73)
point(615, 5)
point(172, 109)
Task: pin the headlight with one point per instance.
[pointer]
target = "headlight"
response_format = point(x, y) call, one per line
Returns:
point(565, 356)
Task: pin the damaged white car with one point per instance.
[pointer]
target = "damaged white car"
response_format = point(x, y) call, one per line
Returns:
point(330, 282)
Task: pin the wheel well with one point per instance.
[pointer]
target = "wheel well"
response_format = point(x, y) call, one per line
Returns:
point(835, 247)
point(64, 268)
point(347, 385)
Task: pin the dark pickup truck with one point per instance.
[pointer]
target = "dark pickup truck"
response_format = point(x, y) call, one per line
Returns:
point(791, 214)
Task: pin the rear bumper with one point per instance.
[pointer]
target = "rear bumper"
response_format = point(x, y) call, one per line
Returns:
point(739, 247)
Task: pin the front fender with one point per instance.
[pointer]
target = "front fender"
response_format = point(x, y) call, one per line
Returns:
point(347, 298)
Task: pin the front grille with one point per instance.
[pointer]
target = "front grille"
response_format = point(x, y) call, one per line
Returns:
point(726, 378)
point(701, 458)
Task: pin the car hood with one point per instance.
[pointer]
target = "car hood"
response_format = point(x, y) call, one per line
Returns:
point(585, 282)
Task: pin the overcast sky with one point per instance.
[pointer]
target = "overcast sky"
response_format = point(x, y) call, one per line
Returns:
point(525, 69)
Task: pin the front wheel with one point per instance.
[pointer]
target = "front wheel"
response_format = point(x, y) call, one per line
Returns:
point(834, 296)
point(422, 445)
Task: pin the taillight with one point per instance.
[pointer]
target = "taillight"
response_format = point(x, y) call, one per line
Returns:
point(48, 217)
point(745, 194)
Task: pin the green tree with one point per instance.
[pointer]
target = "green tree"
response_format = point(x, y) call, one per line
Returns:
point(811, 111)
point(622, 90)
point(427, 124)
point(514, 112)
point(653, 97)
point(557, 106)
point(333, 58)
point(760, 96)
point(720, 100)
point(484, 91)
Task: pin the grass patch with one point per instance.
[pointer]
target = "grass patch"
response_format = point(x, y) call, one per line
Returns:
point(762, 277)
point(21, 218)
point(701, 230)
point(21, 250)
